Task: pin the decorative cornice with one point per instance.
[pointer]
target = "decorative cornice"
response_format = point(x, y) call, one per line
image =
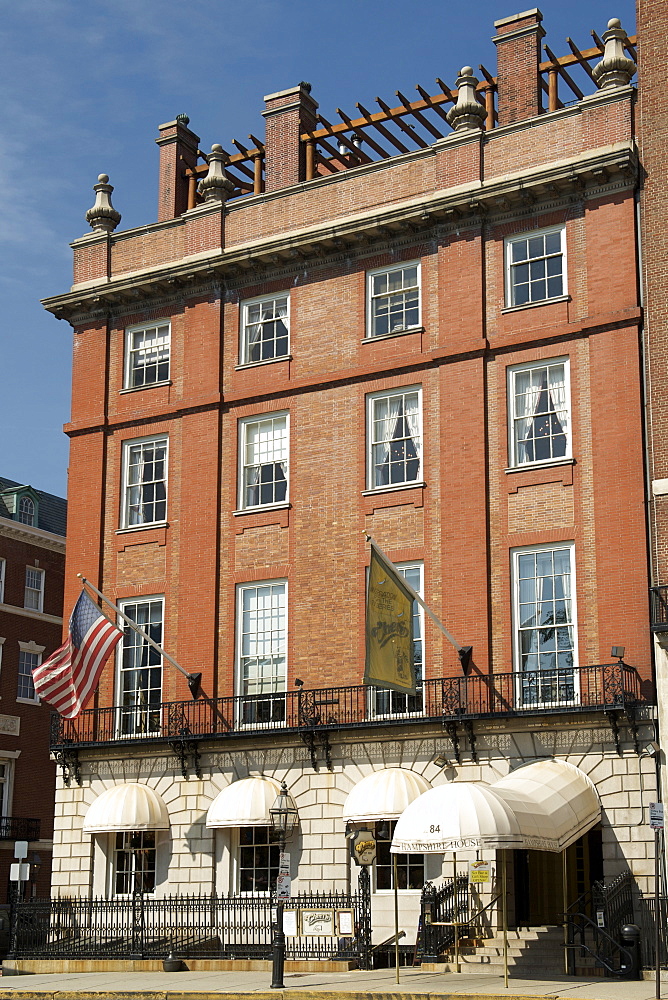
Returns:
point(31, 536)
point(584, 176)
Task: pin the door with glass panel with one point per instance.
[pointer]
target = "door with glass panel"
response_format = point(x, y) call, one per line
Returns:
point(140, 672)
point(545, 626)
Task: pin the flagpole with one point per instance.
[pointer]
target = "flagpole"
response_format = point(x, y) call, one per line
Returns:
point(193, 679)
point(464, 652)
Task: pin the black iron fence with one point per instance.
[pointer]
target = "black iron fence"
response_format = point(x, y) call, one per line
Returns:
point(215, 927)
point(440, 908)
point(646, 918)
point(594, 922)
point(658, 606)
point(603, 686)
point(17, 828)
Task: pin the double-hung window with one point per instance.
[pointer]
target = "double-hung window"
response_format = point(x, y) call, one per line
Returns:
point(144, 482)
point(536, 267)
point(140, 667)
point(262, 652)
point(393, 299)
point(545, 623)
point(258, 860)
point(30, 656)
point(26, 511)
point(2, 580)
point(33, 596)
point(134, 862)
point(393, 702)
point(147, 355)
point(410, 867)
point(263, 447)
point(394, 421)
point(539, 406)
point(264, 328)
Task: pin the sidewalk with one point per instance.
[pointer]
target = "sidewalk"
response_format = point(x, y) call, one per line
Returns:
point(353, 985)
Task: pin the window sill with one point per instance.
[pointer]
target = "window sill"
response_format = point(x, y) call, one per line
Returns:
point(535, 305)
point(141, 388)
point(529, 466)
point(27, 701)
point(259, 364)
point(394, 496)
point(262, 517)
point(263, 507)
point(539, 475)
point(394, 333)
point(396, 488)
point(142, 527)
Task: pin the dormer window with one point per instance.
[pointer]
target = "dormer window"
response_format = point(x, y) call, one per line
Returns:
point(26, 511)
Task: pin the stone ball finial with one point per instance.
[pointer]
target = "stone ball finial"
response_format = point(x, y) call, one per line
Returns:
point(103, 217)
point(468, 112)
point(216, 186)
point(615, 68)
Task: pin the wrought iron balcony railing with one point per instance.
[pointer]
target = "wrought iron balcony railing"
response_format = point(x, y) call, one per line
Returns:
point(658, 608)
point(17, 828)
point(604, 686)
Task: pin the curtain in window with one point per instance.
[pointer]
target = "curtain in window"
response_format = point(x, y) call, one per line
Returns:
point(557, 384)
point(412, 412)
point(387, 413)
point(528, 390)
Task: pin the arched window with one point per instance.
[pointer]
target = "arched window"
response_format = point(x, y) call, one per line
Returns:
point(26, 510)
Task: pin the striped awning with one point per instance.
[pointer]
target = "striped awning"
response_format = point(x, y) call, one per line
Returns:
point(244, 803)
point(383, 794)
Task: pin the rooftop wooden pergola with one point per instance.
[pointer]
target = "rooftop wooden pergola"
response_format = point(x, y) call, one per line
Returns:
point(410, 125)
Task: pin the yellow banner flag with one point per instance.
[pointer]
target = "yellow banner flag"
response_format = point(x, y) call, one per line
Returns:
point(389, 628)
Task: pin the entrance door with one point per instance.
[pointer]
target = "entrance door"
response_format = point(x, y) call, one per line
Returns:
point(539, 881)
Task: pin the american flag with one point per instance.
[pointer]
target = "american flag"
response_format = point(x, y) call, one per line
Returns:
point(70, 675)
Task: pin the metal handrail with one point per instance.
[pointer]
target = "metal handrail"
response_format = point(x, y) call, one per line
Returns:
point(597, 954)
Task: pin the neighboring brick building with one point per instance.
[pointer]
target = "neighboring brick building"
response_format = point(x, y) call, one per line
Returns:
point(349, 328)
point(32, 566)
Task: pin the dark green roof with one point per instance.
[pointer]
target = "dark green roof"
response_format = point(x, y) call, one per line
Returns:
point(51, 510)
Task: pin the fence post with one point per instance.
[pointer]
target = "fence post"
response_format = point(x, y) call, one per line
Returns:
point(427, 916)
point(365, 917)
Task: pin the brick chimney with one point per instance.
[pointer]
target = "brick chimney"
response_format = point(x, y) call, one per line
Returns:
point(288, 114)
point(178, 151)
point(518, 56)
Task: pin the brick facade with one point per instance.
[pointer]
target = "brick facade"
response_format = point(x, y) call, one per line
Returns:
point(451, 207)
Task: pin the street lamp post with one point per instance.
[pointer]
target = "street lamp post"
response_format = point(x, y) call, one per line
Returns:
point(283, 816)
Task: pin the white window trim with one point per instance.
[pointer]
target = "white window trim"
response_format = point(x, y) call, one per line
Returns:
point(42, 576)
point(517, 652)
point(243, 323)
point(238, 674)
point(508, 266)
point(371, 488)
point(111, 864)
point(118, 684)
point(235, 852)
point(127, 369)
point(125, 485)
point(3, 567)
point(370, 275)
point(245, 422)
point(30, 647)
point(9, 762)
point(511, 372)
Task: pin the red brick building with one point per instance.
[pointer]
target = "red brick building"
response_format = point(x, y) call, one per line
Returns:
point(413, 324)
point(32, 564)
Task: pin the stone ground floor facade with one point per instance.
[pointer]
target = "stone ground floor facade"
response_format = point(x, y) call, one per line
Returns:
point(188, 857)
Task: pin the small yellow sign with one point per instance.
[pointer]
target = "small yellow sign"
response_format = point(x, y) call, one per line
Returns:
point(479, 872)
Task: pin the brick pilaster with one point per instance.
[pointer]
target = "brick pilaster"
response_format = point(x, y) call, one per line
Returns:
point(288, 114)
point(518, 55)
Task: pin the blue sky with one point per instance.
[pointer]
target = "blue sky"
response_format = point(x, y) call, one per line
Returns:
point(85, 86)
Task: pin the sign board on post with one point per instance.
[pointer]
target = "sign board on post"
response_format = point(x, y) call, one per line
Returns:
point(284, 863)
point(656, 815)
point(19, 872)
point(364, 847)
point(283, 883)
point(21, 849)
point(480, 872)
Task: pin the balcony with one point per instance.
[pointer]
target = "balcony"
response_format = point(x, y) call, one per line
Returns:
point(658, 608)
point(17, 828)
point(604, 687)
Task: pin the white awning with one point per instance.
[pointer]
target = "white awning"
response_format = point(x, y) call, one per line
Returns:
point(244, 803)
point(554, 802)
point(383, 794)
point(129, 806)
point(458, 816)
